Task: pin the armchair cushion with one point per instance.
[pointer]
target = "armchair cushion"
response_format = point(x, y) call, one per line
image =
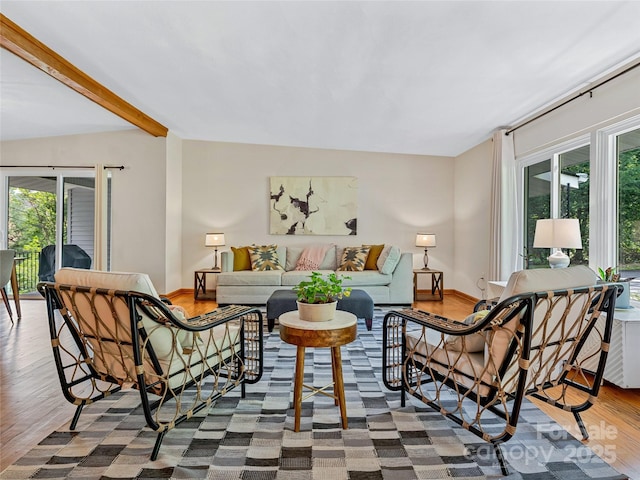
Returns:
point(162, 338)
point(537, 280)
point(547, 279)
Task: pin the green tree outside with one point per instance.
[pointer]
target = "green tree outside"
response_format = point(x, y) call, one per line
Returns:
point(32, 226)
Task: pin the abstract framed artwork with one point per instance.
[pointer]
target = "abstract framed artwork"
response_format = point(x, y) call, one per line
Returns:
point(313, 205)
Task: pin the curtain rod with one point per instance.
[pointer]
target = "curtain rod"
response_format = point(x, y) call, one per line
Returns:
point(53, 167)
point(589, 91)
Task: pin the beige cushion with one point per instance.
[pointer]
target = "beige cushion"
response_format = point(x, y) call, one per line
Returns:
point(472, 343)
point(425, 341)
point(537, 280)
point(251, 278)
point(296, 276)
point(364, 278)
point(137, 282)
point(547, 279)
point(469, 343)
point(107, 358)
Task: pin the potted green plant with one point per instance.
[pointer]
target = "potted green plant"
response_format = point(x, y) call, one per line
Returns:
point(318, 296)
point(609, 275)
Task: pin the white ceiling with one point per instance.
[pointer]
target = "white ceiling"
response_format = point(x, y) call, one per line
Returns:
point(424, 77)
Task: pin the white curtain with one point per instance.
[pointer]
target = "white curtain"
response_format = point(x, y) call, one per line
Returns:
point(100, 219)
point(505, 215)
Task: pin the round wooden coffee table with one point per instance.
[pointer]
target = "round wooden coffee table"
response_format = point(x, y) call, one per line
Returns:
point(332, 334)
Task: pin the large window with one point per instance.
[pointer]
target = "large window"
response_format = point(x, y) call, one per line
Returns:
point(628, 160)
point(556, 185)
point(596, 179)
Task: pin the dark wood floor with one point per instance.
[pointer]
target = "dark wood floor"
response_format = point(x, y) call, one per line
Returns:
point(32, 406)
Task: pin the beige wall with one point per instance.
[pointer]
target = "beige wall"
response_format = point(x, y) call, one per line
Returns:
point(472, 217)
point(173, 191)
point(226, 189)
point(138, 192)
point(173, 267)
point(611, 103)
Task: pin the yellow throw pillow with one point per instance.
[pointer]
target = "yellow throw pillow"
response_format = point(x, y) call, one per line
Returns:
point(354, 259)
point(374, 254)
point(241, 259)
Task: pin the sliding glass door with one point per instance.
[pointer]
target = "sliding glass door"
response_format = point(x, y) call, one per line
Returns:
point(49, 219)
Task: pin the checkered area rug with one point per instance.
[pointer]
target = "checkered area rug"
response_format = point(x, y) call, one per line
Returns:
point(253, 438)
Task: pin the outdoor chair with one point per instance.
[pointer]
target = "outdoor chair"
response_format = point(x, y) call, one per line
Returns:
point(6, 267)
point(477, 371)
point(113, 332)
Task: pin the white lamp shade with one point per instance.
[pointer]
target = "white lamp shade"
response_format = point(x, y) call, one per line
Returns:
point(557, 233)
point(214, 240)
point(425, 240)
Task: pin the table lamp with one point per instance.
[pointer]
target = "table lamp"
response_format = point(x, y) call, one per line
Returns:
point(214, 240)
point(426, 240)
point(557, 233)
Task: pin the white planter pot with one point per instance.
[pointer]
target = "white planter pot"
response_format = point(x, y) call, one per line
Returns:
point(317, 312)
point(623, 301)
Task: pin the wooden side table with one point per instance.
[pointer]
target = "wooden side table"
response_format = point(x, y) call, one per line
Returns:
point(334, 333)
point(437, 282)
point(200, 283)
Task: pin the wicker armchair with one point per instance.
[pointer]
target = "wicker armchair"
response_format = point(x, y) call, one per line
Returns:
point(531, 343)
point(114, 332)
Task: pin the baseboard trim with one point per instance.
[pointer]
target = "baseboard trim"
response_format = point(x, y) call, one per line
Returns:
point(180, 291)
point(464, 296)
point(184, 291)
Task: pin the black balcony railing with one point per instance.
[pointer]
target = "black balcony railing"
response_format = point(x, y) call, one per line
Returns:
point(27, 264)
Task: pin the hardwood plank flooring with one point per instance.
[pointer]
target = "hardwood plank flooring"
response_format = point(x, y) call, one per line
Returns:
point(32, 405)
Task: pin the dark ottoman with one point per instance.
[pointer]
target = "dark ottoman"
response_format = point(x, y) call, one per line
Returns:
point(359, 303)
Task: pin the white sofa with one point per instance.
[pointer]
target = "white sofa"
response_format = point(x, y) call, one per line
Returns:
point(247, 287)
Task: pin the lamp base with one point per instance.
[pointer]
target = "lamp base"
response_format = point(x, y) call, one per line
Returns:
point(558, 260)
point(426, 260)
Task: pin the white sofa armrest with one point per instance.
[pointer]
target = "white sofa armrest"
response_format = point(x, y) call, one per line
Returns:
point(401, 287)
point(226, 261)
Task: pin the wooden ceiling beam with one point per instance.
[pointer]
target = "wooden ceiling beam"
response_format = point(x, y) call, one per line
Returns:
point(27, 47)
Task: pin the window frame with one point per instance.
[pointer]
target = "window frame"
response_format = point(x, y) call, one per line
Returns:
point(552, 154)
point(603, 215)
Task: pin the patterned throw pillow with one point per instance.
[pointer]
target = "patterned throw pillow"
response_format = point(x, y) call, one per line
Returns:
point(264, 257)
point(354, 259)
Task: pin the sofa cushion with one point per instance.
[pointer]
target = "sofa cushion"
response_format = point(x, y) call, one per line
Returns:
point(250, 278)
point(293, 254)
point(296, 276)
point(374, 254)
point(264, 257)
point(353, 259)
point(389, 258)
point(365, 278)
point(241, 259)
